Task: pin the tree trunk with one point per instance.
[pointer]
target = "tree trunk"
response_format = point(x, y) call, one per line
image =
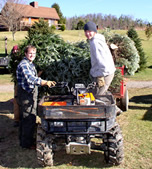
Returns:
point(13, 34)
point(5, 45)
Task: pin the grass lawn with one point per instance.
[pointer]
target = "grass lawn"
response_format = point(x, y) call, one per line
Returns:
point(6, 96)
point(72, 36)
point(136, 128)
point(5, 79)
point(19, 36)
point(135, 123)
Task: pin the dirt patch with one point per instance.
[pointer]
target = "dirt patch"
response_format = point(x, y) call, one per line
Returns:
point(130, 84)
point(6, 87)
point(139, 84)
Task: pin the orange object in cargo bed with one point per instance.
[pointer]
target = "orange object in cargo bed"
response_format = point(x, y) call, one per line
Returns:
point(54, 104)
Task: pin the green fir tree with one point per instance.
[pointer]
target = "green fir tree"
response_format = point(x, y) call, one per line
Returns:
point(134, 36)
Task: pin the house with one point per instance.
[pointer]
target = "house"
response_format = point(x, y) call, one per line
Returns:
point(32, 13)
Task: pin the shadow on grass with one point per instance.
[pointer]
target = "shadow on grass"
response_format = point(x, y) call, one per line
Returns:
point(6, 107)
point(144, 99)
point(150, 67)
point(93, 160)
point(2, 55)
point(4, 71)
point(13, 156)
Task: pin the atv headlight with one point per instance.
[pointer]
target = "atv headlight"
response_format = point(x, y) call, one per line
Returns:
point(96, 124)
point(56, 124)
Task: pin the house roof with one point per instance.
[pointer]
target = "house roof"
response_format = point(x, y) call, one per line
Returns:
point(37, 12)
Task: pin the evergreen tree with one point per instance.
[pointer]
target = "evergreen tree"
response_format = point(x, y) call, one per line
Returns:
point(62, 19)
point(41, 27)
point(80, 25)
point(148, 31)
point(134, 36)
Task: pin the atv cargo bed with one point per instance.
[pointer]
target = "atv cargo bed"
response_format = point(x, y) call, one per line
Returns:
point(105, 108)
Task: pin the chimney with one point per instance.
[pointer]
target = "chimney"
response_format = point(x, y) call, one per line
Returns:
point(34, 4)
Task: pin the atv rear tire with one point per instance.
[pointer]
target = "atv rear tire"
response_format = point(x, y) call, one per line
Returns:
point(113, 152)
point(44, 148)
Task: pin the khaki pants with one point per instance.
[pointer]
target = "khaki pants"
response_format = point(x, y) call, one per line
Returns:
point(100, 90)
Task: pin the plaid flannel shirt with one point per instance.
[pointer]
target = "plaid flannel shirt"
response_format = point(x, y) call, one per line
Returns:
point(27, 75)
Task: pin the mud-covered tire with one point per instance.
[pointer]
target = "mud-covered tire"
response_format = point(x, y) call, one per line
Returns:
point(44, 148)
point(113, 152)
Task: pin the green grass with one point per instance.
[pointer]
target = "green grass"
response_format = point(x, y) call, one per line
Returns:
point(19, 36)
point(5, 96)
point(72, 36)
point(5, 79)
point(137, 129)
point(137, 133)
point(135, 123)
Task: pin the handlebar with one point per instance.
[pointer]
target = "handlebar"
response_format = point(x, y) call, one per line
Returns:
point(61, 85)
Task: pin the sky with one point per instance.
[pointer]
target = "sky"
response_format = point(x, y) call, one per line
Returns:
point(137, 9)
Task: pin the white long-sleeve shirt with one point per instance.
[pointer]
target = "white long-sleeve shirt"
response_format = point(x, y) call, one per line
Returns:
point(102, 63)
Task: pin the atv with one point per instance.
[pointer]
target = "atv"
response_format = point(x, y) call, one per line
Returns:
point(70, 123)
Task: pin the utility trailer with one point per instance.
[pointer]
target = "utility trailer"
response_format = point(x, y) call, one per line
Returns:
point(4, 61)
point(121, 96)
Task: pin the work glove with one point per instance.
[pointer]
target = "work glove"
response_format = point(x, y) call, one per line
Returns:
point(100, 81)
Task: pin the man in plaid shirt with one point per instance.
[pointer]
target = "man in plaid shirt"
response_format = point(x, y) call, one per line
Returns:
point(27, 92)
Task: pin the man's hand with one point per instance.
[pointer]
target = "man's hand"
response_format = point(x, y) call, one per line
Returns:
point(51, 83)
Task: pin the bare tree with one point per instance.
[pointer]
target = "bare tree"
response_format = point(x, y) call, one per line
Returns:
point(11, 14)
point(106, 21)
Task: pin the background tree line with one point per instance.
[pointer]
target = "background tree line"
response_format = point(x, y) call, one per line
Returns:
point(105, 21)
point(11, 17)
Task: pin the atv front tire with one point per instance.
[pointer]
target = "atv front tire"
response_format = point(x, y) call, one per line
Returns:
point(44, 148)
point(113, 152)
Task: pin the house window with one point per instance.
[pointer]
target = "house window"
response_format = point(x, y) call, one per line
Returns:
point(29, 20)
point(51, 22)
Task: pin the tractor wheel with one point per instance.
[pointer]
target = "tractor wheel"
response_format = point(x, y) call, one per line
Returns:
point(124, 102)
point(113, 152)
point(44, 148)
